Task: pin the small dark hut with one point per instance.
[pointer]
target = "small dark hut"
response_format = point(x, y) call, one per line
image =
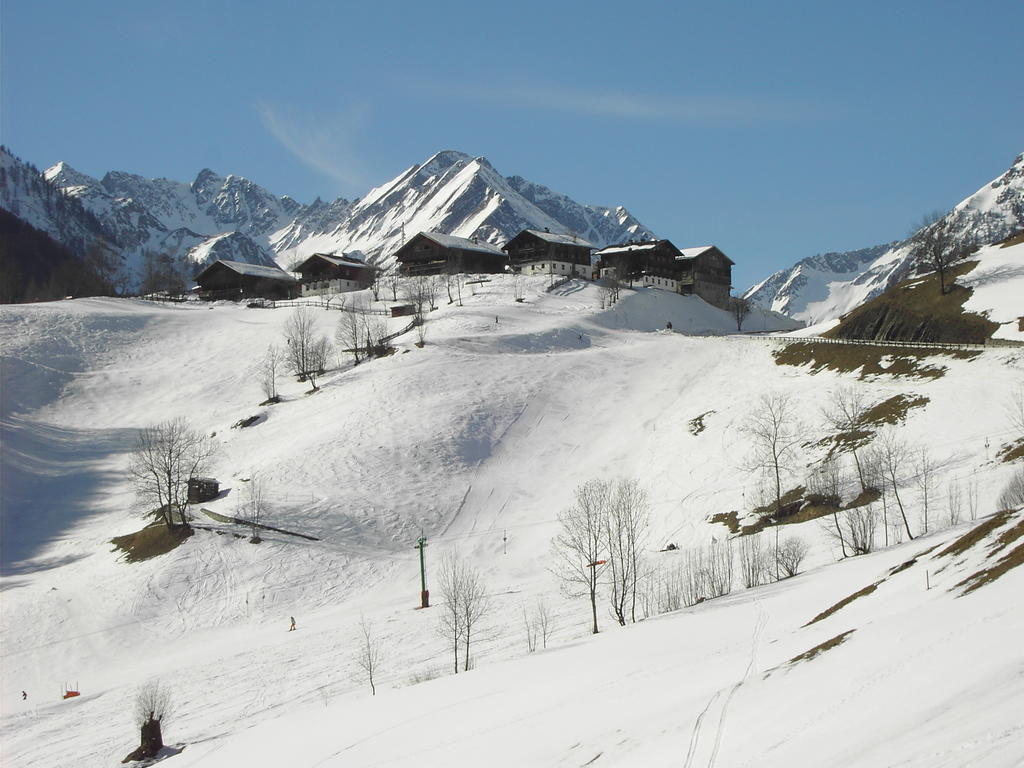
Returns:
point(433, 253)
point(236, 280)
point(202, 489)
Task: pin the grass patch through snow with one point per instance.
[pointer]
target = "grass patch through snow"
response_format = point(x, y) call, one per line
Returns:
point(870, 359)
point(152, 541)
point(821, 648)
point(844, 602)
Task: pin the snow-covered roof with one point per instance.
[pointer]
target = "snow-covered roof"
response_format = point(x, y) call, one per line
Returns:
point(692, 253)
point(345, 260)
point(552, 237)
point(626, 247)
point(451, 241)
point(254, 270)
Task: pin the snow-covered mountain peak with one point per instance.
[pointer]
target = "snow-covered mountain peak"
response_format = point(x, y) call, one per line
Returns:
point(64, 176)
point(828, 285)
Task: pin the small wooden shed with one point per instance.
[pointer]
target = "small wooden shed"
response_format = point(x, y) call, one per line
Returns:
point(202, 489)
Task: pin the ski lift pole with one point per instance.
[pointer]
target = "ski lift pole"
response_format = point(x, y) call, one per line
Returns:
point(421, 542)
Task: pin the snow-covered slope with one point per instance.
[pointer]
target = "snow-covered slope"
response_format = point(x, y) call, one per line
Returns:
point(458, 195)
point(997, 285)
point(476, 440)
point(826, 286)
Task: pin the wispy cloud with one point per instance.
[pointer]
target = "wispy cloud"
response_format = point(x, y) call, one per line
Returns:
point(640, 106)
point(325, 143)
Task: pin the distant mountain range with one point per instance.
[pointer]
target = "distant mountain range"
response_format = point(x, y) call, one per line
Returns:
point(828, 285)
point(230, 217)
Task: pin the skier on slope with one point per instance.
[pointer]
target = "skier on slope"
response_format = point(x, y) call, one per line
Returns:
point(292, 627)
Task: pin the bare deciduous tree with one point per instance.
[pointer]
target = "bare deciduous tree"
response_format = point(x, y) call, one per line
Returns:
point(375, 283)
point(166, 456)
point(626, 523)
point(267, 371)
point(307, 350)
point(152, 708)
point(392, 281)
point(707, 572)
point(252, 506)
point(825, 487)
point(754, 566)
point(845, 414)
point(892, 454)
point(954, 501)
point(935, 245)
point(368, 653)
point(924, 477)
point(739, 308)
point(774, 432)
point(972, 497)
point(860, 523)
point(579, 545)
point(465, 604)
point(538, 624)
point(792, 554)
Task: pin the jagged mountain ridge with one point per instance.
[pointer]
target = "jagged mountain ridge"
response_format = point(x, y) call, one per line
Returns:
point(457, 194)
point(25, 193)
point(826, 286)
point(451, 192)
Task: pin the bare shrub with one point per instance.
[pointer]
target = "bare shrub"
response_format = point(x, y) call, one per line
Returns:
point(1012, 496)
point(860, 524)
point(791, 555)
point(755, 567)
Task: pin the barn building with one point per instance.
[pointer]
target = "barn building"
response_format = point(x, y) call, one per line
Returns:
point(703, 271)
point(327, 273)
point(706, 272)
point(534, 252)
point(235, 280)
point(432, 253)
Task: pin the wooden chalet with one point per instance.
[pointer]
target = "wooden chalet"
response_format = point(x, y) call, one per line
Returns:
point(706, 272)
point(641, 261)
point(328, 273)
point(432, 253)
point(237, 280)
point(534, 251)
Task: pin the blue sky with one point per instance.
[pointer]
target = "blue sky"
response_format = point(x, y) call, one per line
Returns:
point(775, 130)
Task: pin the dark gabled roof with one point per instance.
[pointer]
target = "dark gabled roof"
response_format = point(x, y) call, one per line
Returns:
point(338, 261)
point(552, 237)
point(250, 270)
point(451, 241)
point(693, 253)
